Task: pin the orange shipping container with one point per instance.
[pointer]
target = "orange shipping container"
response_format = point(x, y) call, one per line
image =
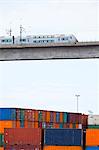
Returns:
point(77, 126)
point(92, 137)
point(56, 125)
point(62, 148)
point(36, 124)
point(1, 148)
point(71, 125)
point(61, 117)
point(36, 115)
point(5, 124)
point(17, 124)
point(48, 116)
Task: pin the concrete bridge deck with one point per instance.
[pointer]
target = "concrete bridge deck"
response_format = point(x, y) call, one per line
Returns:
point(80, 50)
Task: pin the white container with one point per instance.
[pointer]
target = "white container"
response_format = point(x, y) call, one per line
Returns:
point(93, 119)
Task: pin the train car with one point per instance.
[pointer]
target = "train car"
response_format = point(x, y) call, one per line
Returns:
point(39, 39)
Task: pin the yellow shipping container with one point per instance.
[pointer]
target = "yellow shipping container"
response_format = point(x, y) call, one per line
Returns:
point(62, 148)
point(5, 124)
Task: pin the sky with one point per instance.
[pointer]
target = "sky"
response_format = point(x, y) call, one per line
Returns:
point(51, 84)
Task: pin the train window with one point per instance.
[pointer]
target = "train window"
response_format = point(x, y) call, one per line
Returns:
point(70, 37)
point(2, 41)
point(62, 39)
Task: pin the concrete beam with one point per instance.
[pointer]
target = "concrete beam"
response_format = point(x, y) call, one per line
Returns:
point(50, 51)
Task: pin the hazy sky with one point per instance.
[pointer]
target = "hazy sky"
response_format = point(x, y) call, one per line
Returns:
point(51, 84)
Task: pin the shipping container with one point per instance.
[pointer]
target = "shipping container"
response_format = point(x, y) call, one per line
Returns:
point(65, 116)
point(7, 114)
point(29, 115)
point(1, 140)
point(63, 137)
point(47, 116)
point(84, 120)
point(1, 148)
point(36, 124)
point(92, 137)
point(23, 136)
point(74, 117)
point(92, 148)
point(5, 124)
point(57, 117)
point(93, 119)
point(36, 115)
point(61, 117)
point(62, 148)
point(23, 147)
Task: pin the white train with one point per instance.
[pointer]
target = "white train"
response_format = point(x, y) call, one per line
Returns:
point(40, 39)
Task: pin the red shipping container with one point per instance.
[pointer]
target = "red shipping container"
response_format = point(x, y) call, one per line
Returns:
point(21, 136)
point(23, 147)
point(74, 118)
point(84, 120)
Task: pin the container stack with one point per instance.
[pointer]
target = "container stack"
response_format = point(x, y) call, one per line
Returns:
point(63, 139)
point(92, 139)
point(42, 119)
point(7, 120)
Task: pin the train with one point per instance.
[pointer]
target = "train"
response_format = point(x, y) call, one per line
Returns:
point(38, 39)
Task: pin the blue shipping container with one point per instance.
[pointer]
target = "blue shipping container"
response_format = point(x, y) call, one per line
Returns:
point(63, 137)
point(92, 148)
point(57, 117)
point(7, 114)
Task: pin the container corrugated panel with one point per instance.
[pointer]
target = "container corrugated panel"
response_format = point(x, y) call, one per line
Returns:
point(93, 119)
point(47, 116)
point(29, 115)
point(43, 116)
point(23, 147)
point(65, 115)
point(22, 123)
point(92, 137)
point(92, 148)
point(84, 120)
point(93, 126)
point(63, 137)
point(74, 118)
point(7, 114)
point(28, 124)
point(52, 117)
point(61, 117)
point(36, 124)
point(62, 148)
point(32, 136)
point(36, 115)
point(57, 116)
point(5, 124)
point(1, 140)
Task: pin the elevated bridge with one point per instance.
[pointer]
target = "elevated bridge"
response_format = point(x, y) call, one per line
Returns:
point(80, 50)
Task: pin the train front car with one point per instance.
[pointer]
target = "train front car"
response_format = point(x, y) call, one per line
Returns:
point(6, 40)
point(72, 39)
